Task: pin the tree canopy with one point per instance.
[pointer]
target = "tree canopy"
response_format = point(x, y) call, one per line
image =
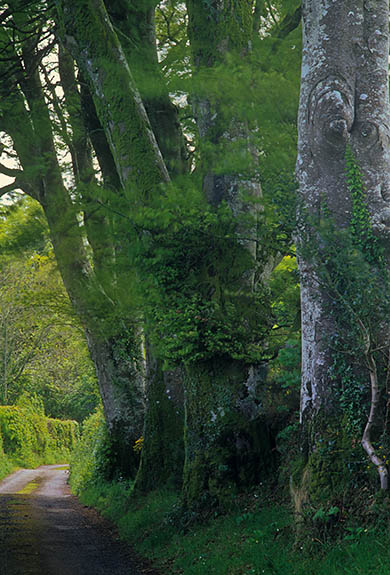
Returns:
point(152, 213)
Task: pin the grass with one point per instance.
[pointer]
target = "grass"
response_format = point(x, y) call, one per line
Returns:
point(7, 466)
point(257, 539)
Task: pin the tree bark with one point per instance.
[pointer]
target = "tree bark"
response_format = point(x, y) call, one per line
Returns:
point(344, 102)
point(162, 456)
point(89, 35)
point(139, 164)
point(228, 447)
point(227, 444)
point(136, 32)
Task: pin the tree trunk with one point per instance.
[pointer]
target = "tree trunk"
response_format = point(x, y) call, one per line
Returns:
point(136, 33)
point(89, 35)
point(33, 140)
point(343, 103)
point(227, 444)
point(138, 161)
point(217, 31)
point(162, 455)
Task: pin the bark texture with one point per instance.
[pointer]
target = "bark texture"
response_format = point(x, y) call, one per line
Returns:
point(136, 33)
point(227, 444)
point(89, 35)
point(162, 456)
point(28, 123)
point(217, 31)
point(344, 102)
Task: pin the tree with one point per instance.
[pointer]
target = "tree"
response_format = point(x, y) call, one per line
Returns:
point(343, 113)
point(26, 119)
point(162, 264)
point(43, 350)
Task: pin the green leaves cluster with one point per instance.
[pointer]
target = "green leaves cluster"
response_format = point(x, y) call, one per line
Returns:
point(42, 348)
point(196, 275)
point(360, 225)
point(351, 269)
point(30, 438)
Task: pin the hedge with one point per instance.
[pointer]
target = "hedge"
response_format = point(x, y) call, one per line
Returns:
point(30, 438)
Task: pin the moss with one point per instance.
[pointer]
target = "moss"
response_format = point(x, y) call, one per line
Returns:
point(216, 28)
point(227, 449)
point(117, 102)
point(135, 23)
point(162, 456)
point(336, 470)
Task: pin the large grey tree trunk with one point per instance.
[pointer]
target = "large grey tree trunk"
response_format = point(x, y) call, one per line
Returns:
point(343, 104)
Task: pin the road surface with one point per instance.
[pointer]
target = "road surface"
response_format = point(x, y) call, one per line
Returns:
point(44, 530)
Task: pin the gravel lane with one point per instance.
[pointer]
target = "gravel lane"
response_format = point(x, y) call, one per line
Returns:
point(44, 530)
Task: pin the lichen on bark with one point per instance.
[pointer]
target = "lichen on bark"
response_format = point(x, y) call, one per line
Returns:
point(343, 104)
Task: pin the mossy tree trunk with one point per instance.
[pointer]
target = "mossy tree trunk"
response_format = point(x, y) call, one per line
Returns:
point(136, 32)
point(227, 444)
point(343, 104)
point(89, 34)
point(162, 449)
point(162, 455)
point(28, 123)
point(141, 167)
point(220, 35)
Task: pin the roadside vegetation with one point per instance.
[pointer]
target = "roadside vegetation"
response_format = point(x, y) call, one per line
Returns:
point(257, 535)
point(28, 438)
point(217, 301)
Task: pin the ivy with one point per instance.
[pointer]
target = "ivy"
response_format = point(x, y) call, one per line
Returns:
point(196, 277)
point(354, 280)
point(360, 224)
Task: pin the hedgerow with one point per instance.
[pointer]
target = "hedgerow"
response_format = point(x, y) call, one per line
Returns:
point(28, 438)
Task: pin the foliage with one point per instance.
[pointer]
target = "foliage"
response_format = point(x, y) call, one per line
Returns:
point(192, 261)
point(29, 438)
point(256, 538)
point(137, 447)
point(23, 228)
point(172, 266)
point(351, 272)
point(88, 460)
point(43, 350)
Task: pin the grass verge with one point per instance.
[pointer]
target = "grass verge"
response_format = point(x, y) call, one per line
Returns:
point(255, 539)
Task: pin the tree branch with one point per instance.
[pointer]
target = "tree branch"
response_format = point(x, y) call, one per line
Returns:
point(11, 172)
point(289, 23)
point(9, 188)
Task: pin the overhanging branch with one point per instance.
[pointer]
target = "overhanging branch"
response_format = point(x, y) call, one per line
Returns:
point(9, 188)
point(10, 172)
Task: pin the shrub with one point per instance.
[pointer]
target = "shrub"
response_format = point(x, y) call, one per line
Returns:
point(29, 438)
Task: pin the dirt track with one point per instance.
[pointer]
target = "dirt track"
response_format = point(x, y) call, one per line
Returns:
point(44, 530)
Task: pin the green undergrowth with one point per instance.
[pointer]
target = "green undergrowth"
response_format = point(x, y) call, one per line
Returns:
point(28, 438)
point(7, 466)
point(256, 538)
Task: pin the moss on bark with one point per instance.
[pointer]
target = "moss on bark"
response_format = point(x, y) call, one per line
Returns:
point(162, 455)
point(89, 35)
point(228, 445)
